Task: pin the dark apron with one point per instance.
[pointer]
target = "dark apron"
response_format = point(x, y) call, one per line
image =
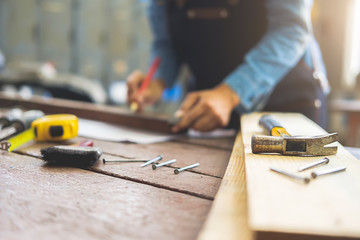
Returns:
point(213, 37)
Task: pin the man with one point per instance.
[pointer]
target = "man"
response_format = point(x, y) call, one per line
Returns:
point(245, 55)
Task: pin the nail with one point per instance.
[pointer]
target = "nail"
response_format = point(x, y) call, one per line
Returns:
point(323, 161)
point(325, 172)
point(177, 170)
point(302, 179)
point(154, 166)
point(122, 160)
point(151, 161)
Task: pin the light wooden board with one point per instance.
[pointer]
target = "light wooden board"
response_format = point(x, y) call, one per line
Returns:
point(328, 205)
point(41, 202)
point(227, 218)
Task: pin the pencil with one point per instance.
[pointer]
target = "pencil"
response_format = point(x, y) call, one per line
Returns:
point(134, 106)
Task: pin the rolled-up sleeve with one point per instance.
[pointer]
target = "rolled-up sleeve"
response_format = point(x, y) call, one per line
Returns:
point(284, 43)
point(161, 44)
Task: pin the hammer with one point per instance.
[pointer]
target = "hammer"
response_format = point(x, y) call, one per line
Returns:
point(282, 142)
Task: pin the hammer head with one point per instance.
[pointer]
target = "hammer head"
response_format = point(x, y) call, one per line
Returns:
point(295, 145)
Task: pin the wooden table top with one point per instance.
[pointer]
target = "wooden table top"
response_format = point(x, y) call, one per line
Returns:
point(111, 201)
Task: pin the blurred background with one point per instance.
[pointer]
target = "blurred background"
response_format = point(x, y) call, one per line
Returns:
point(85, 49)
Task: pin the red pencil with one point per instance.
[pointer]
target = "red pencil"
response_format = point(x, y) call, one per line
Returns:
point(145, 84)
point(149, 75)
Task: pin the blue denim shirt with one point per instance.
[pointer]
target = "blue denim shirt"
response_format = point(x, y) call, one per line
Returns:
point(288, 39)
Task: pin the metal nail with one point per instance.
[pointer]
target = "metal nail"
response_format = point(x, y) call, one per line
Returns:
point(177, 170)
point(301, 179)
point(321, 162)
point(123, 160)
point(151, 161)
point(154, 166)
point(325, 172)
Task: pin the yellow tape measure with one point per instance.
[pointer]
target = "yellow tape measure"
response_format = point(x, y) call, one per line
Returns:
point(55, 127)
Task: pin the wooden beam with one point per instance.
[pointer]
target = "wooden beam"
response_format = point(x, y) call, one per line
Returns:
point(116, 115)
point(327, 206)
point(227, 218)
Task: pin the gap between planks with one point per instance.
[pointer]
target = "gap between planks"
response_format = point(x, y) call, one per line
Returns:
point(99, 171)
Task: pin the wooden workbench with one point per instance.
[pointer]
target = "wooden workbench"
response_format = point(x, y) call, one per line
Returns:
point(124, 201)
point(111, 201)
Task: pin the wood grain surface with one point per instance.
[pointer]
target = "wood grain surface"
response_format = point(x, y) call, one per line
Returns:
point(225, 143)
point(327, 206)
point(207, 176)
point(227, 218)
point(42, 202)
point(109, 201)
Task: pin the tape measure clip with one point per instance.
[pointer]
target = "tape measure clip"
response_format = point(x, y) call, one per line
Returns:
point(5, 146)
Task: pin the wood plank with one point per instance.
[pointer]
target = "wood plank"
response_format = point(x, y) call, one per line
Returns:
point(207, 176)
point(227, 218)
point(115, 115)
point(327, 206)
point(225, 143)
point(147, 121)
point(213, 162)
point(41, 202)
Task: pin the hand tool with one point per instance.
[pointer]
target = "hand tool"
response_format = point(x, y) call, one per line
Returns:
point(285, 144)
point(20, 123)
point(155, 166)
point(301, 179)
point(178, 170)
point(158, 158)
point(8, 116)
point(55, 127)
point(134, 106)
point(329, 171)
point(71, 155)
point(321, 162)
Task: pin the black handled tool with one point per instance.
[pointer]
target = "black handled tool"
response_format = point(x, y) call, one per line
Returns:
point(71, 155)
point(20, 122)
point(10, 115)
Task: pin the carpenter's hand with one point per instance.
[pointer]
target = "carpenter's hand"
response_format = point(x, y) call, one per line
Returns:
point(149, 96)
point(207, 110)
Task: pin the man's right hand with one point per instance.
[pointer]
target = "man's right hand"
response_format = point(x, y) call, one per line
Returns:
point(149, 96)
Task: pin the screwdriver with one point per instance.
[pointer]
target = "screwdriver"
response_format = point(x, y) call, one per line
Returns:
point(20, 122)
point(9, 115)
point(55, 127)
